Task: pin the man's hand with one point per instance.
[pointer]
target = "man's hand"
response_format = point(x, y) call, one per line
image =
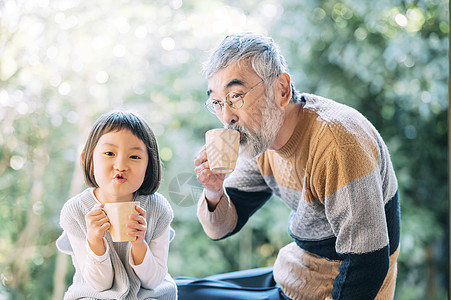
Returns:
point(210, 181)
point(96, 224)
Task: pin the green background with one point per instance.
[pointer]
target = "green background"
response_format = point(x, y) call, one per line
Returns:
point(65, 62)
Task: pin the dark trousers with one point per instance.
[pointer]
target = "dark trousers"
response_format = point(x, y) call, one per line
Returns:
point(248, 284)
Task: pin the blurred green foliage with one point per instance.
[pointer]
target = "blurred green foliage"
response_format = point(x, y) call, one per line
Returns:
point(63, 63)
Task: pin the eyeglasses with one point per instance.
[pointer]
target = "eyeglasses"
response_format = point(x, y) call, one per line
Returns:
point(233, 99)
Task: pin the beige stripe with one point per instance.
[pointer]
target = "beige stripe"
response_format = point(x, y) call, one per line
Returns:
point(306, 276)
point(317, 156)
point(219, 222)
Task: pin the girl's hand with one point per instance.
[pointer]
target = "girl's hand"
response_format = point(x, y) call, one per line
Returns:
point(96, 224)
point(139, 246)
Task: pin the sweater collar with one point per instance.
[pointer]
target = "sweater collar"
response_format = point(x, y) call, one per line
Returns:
point(290, 147)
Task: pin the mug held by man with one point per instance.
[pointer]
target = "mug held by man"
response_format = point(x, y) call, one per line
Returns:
point(222, 149)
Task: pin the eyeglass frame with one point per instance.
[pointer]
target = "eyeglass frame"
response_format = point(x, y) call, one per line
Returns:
point(210, 106)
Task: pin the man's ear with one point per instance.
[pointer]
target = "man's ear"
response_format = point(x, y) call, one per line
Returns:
point(284, 88)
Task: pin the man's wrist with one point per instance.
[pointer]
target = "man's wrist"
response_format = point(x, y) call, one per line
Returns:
point(213, 198)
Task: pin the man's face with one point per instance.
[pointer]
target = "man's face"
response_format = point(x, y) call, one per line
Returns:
point(259, 119)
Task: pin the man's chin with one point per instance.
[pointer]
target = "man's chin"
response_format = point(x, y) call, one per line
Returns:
point(248, 152)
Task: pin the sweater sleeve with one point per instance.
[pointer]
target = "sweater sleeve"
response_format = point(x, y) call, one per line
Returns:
point(245, 192)
point(218, 223)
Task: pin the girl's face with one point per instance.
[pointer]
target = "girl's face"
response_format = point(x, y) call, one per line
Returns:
point(120, 161)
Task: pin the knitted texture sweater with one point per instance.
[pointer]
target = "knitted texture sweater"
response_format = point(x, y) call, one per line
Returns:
point(336, 176)
point(126, 284)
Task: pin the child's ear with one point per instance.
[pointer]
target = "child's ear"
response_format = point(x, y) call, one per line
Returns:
point(82, 157)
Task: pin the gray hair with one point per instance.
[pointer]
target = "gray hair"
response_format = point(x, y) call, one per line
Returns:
point(262, 53)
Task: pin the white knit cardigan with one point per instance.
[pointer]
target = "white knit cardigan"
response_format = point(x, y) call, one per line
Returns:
point(126, 284)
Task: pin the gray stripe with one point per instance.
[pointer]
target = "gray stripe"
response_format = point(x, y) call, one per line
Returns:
point(356, 213)
point(389, 181)
point(308, 219)
point(247, 177)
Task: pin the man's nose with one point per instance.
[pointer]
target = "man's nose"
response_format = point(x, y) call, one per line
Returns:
point(228, 115)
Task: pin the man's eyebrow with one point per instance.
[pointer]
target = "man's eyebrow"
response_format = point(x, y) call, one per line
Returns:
point(234, 82)
point(228, 85)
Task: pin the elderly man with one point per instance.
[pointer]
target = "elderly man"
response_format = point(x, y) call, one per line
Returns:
point(323, 159)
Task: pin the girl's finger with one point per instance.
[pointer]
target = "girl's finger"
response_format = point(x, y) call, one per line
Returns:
point(140, 210)
point(96, 211)
point(105, 226)
point(137, 227)
point(103, 219)
point(139, 219)
point(97, 207)
point(133, 233)
point(96, 217)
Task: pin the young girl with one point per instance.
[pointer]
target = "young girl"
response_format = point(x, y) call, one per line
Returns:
point(120, 163)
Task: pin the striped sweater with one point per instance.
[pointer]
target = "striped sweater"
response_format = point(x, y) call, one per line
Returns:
point(336, 176)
